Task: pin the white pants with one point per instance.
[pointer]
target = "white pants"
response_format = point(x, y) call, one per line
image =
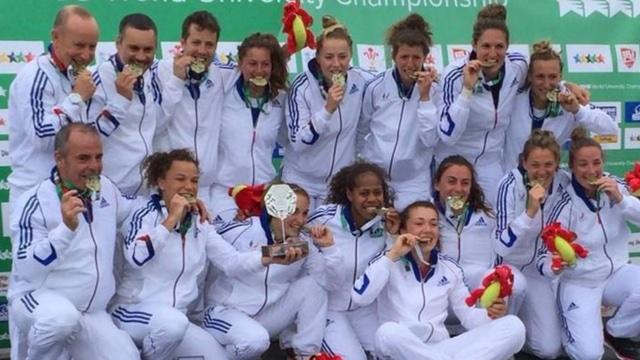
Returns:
point(498, 340)
point(405, 194)
point(52, 326)
point(489, 176)
point(162, 332)
point(350, 333)
point(580, 307)
point(541, 319)
point(247, 337)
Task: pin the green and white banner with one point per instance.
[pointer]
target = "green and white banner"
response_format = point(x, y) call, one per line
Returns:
point(599, 41)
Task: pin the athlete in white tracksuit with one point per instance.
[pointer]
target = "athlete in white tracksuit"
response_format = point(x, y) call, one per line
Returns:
point(244, 312)
point(320, 143)
point(473, 125)
point(62, 279)
point(525, 118)
point(193, 111)
point(517, 243)
point(159, 282)
point(127, 126)
point(350, 327)
point(42, 100)
point(248, 136)
point(396, 127)
point(412, 308)
point(604, 276)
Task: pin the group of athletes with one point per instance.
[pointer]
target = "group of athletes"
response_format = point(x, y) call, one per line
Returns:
point(410, 188)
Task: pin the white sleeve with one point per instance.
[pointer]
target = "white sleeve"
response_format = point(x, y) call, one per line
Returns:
point(36, 250)
point(107, 107)
point(324, 266)
point(513, 231)
point(143, 238)
point(305, 127)
point(470, 317)
point(364, 123)
point(596, 120)
point(368, 286)
point(456, 102)
point(428, 122)
point(228, 259)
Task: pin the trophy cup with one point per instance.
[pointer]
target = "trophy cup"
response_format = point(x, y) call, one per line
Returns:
point(280, 202)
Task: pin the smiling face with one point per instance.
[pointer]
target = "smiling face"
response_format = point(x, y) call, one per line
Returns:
point(366, 196)
point(255, 64)
point(137, 47)
point(545, 76)
point(75, 41)
point(408, 60)
point(334, 57)
point(423, 222)
point(491, 48)
point(455, 181)
point(200, 44)
point(587, 165)
point(540, 164)
point(181, 178)
point(80, 159)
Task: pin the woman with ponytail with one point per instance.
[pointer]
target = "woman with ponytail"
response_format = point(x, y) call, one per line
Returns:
point(546, 104)
point(398, 127)
point(597, 207)
point(322, 112)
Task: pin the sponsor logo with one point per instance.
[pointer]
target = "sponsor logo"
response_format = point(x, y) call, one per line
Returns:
point(4, 283)
point(481, 222)
point(5, 254)
point(4, 312)
point(456, 52)
point(611, 108)
point(354, 89)
point(589, 58)
point(608, 8)
point(3, 92)
point(632, 138)
point(572, 306)
point(227, 52)
point(632, 111)
point(4, 153)
point(627, 56)
point(609, 141)
point(15, 54)
point(4, 121)
point(444, 281)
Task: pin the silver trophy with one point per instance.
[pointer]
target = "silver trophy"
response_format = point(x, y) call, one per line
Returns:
point(280, 202)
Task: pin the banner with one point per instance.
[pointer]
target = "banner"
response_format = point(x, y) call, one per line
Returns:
point(599, 42)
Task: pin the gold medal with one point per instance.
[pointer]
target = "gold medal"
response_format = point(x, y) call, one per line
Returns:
point(488, 63)
point(136, 69)
point(552, 95)
point(93, 183)
point(456, 202)
point(259, 81)
point(378, 211)
point(198, 65)
point(189, 197)
point(338, 79)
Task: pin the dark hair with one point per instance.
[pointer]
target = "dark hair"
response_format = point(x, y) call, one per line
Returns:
point(136, 21)
point(346, 178)
point(411, 31)
point(157, 165)
point(62, 137)
point(203, 20)
point(404, 215)
point(541, 139)
point(331, 29)
point(492, 16)
point(580, 139)
point(476, 195)
point(278, 80)
point(65, 13)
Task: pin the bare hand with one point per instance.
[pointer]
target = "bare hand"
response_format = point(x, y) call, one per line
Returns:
point(583, 95)
point(334, 97)
point(425, 80)
point(392, 221)
point(181, 65)
point(178, 208)
point(536, 197)
point(471, 72)
point(569, 102)
point(84, 85)
point(498, 309)
point(403, 244)
point(322, 236)
point(610, 187)
point(70, 206)
point(292, 255)
point(125, 81)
